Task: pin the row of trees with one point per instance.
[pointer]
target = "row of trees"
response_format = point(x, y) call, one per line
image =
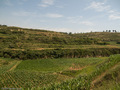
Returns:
point(111, 31)
point(58, 53)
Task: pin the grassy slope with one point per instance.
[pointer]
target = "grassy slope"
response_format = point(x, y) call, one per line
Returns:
point(56, 64)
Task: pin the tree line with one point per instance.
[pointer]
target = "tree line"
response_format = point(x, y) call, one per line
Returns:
point(58, 53)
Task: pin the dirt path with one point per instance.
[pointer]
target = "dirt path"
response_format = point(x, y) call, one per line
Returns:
point(102, 75)
point(12, 68)
point(76, 67)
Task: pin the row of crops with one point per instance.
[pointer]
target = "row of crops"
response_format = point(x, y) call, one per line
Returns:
point(23, 79)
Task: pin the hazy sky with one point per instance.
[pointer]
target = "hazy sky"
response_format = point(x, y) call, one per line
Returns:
point(62, 15)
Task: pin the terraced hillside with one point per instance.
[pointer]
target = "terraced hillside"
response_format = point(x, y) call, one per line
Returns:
point(16, 38)
point(23, 43)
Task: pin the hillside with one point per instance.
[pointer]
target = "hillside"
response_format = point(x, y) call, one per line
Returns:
point(23, 43)
point(19, 38)
point(48, 60)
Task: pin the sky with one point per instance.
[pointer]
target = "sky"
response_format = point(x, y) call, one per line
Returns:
point(62, 15)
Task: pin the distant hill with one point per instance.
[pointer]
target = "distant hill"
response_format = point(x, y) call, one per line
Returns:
point(16, 37)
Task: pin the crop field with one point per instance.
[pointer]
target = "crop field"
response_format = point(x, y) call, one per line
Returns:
point(76, 73)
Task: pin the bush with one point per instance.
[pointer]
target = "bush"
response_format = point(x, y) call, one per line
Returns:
point(118, 42)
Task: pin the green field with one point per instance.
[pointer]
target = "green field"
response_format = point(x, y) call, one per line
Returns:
point(39, 74)
point(55, 65)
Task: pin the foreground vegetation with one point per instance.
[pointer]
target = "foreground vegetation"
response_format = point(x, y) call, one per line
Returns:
point(38, 73)
point(76, 74)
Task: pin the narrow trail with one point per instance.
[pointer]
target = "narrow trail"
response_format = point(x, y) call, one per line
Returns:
point(12, 68)
point(98, 78)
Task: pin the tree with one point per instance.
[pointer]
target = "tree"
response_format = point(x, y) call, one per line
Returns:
point(109, 30)
point(70, 33)
point(106, 30)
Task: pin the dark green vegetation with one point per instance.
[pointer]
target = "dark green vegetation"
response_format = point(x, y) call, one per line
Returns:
point(47, 60)
point(58, 53)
